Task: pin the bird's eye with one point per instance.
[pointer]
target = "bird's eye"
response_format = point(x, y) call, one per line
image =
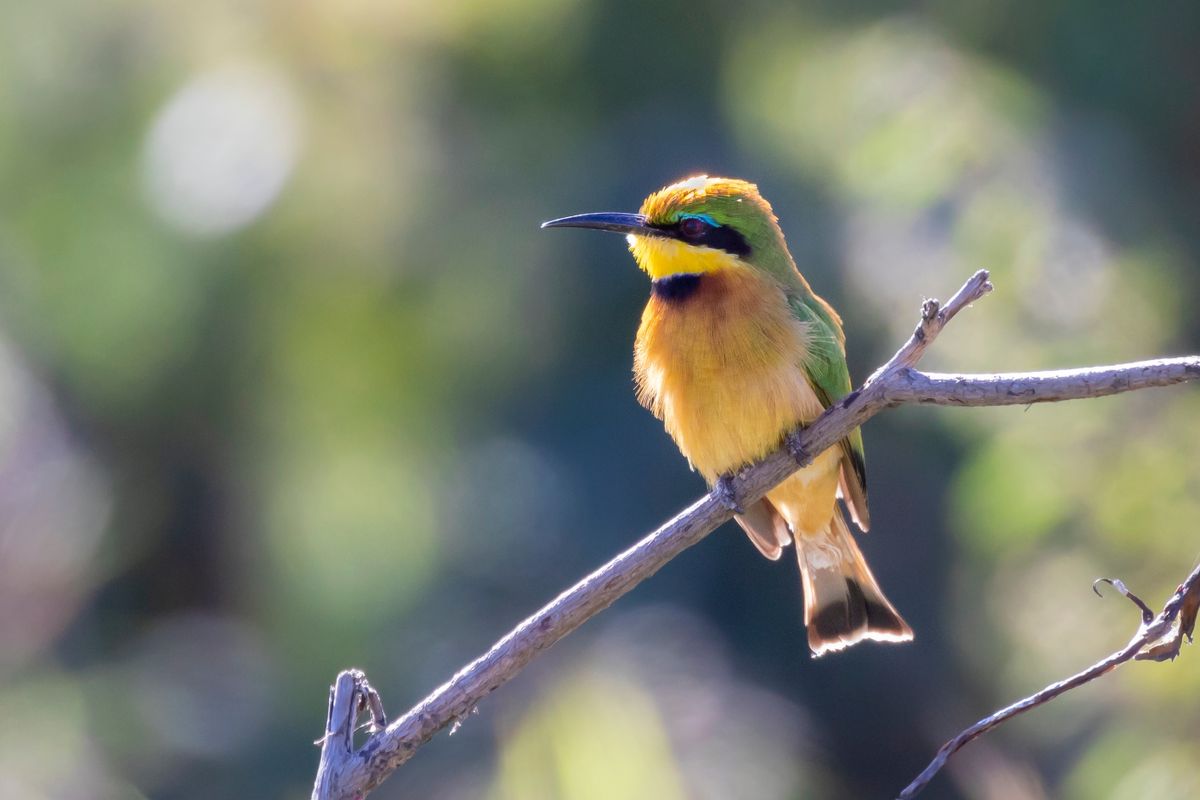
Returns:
point(692, 227)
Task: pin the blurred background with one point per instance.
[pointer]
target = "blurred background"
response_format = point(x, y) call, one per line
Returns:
point(291, 381)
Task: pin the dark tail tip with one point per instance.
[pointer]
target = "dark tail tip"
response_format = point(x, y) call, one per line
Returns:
point(852, 617)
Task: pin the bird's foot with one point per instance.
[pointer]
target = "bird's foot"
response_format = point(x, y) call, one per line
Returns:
point(725, 493)
point(796, 447)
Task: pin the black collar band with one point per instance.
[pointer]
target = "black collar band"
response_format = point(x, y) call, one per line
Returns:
point(676, 288)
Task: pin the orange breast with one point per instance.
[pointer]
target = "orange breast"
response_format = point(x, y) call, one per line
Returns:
point(722, 367)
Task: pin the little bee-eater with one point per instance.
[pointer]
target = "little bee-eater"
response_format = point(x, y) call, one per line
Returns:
point(734, 352)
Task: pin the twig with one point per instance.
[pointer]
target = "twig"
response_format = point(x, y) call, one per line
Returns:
point(934, 317)
point(1119, 585)
point(353, 774)
point(1158, 639)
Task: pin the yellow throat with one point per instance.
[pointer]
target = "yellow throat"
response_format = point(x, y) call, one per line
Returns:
point(662, 258)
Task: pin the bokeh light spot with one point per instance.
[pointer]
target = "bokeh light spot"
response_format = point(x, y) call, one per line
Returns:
point(221, 149)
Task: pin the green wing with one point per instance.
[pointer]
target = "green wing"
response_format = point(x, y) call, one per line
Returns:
point(830, 379)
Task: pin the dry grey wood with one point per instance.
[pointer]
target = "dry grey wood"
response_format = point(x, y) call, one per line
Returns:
point(1158, 639)
point(348, 697)
point(350, 774)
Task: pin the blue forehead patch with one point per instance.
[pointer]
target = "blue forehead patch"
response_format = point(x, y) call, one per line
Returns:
point(705, 218)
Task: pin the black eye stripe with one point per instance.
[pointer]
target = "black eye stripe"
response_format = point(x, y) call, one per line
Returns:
point(727, 239)
point(720, 237)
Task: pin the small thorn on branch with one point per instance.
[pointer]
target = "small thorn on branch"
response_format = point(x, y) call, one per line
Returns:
point(458, 721)
point(1119, 585)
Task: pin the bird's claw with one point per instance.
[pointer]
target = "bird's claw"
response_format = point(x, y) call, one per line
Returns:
point(727, 495)
point(796, 448)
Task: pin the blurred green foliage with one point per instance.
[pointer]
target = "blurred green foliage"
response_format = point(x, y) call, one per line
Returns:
point(289, 381)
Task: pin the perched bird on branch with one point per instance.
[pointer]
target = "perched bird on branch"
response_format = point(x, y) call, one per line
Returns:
point(735, 351)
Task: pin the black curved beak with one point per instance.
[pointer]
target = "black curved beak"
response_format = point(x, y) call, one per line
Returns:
point(615, 221)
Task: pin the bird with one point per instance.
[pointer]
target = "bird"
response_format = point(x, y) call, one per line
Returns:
point(734, 353)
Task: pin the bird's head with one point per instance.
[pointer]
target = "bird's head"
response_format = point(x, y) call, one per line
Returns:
point(697, 225)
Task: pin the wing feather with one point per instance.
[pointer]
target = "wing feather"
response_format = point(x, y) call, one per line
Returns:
point(829, 377)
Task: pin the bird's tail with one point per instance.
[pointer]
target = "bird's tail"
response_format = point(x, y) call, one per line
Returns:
point(842, 602)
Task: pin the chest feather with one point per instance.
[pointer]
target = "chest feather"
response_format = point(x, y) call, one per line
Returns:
point(722, 366)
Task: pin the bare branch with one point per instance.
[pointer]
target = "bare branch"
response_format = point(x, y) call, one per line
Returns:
point(1024, 388)
point(934, 317)
point(347, 774)
point(1158, 639)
